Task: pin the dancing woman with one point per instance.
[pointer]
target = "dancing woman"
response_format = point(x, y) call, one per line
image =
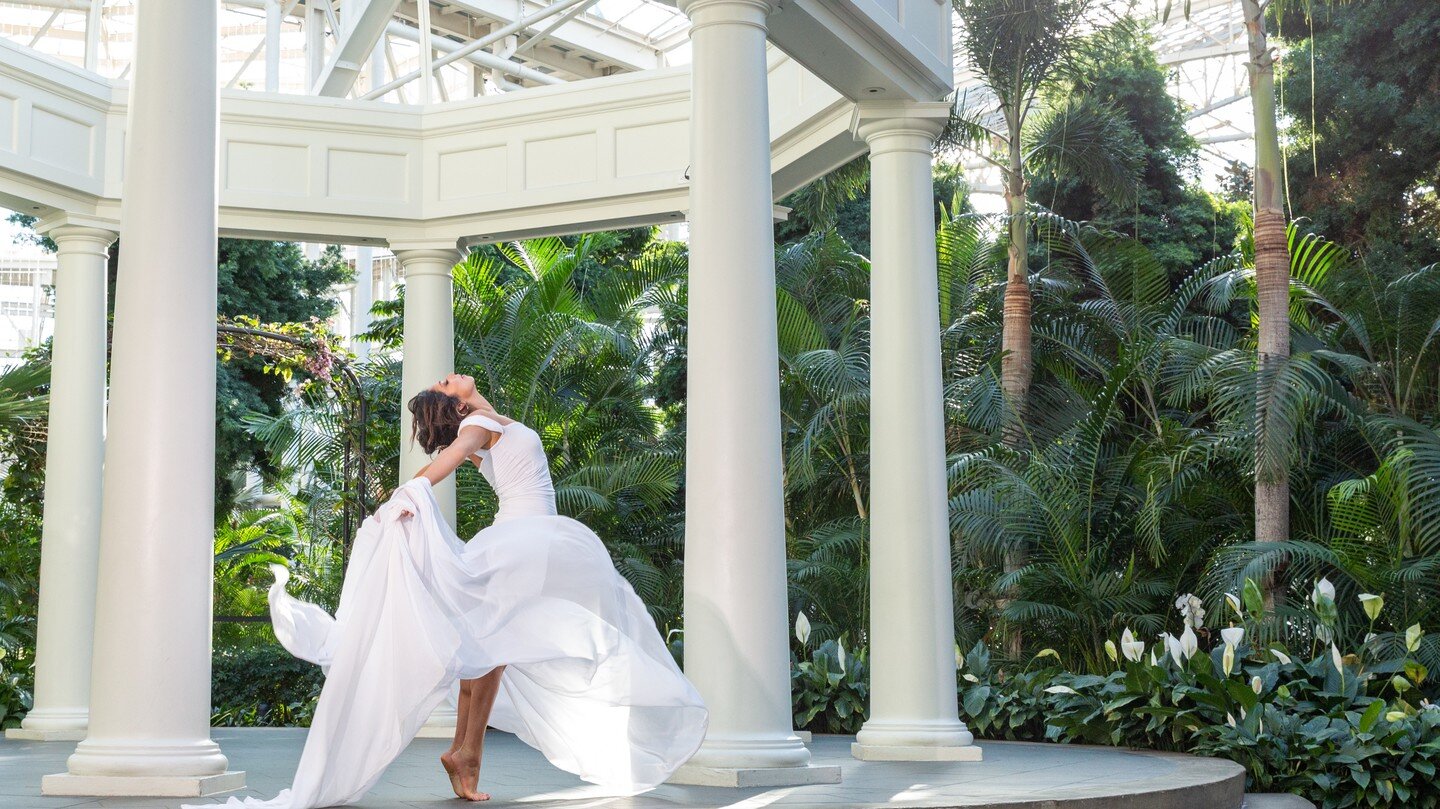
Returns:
point(548, 641)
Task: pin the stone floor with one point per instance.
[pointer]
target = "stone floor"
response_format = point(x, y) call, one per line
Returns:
point(1012, 775)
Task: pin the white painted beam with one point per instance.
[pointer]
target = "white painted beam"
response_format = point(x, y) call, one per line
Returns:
point(365, 23)
point(584, 34)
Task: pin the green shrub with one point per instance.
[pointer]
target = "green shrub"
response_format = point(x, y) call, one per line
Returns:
point(263, 686)
point(1341, 730)
point(830, 692)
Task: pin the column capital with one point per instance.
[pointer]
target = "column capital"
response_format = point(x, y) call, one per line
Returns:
point(703, 13)
point(888, 126)
point(65, 226)
point(430, 257)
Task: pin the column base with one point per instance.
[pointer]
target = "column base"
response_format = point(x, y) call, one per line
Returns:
point(766, 761)
point(52, 725)
point(38, 735)
point(943, 740)
point(702, 776)
point(879, 752)
point(146, 786)
point(429, 731)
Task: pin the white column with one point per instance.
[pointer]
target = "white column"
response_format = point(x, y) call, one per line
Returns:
point(429, 350)
point(428, 355)
point(364, 298)
point(69, 547)
point(150, 685)
point(913, 712)
point(736, 612)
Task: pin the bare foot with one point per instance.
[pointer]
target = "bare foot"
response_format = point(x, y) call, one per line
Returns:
point(468, 775)
point(450, 761)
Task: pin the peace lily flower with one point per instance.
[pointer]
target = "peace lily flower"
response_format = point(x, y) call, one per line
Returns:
point(1233, 635)
point(1413, 636)
point(1323, 588)
point(1337, 660)
point(1234, 602)
point(1281, 656)
point(1172, 645)
point(1153, 661)
point(1256, 685)
point(1372, 604)
point(959, 658)
point(1047, 653)
point(1394, 716)
point(970, 677)
point(1229, 720)
point(1133, 649)
point(840, 646)
point(1061, 689)
point(1189, 643)
point(1111, 651)
point(1400, 684)
point(1227, 660)
point(802, 628)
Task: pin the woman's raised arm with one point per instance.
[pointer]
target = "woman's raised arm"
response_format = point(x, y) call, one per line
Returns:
point(470, 440)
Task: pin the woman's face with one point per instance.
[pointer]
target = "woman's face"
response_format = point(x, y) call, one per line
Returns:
point(460, 386)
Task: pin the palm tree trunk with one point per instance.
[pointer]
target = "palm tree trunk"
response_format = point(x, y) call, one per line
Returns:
point(1272, 264)
point(1016, 361)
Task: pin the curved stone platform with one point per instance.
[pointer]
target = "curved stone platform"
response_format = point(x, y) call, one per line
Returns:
point(1013, 775)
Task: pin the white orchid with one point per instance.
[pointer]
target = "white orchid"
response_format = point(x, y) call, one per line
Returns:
point(1233, 636)
point(802, 628)
point(1192, 609)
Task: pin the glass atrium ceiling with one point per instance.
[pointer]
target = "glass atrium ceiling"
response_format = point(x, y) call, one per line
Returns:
point(564, 40)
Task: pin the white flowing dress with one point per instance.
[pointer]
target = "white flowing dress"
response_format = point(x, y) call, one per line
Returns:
point(588, 680)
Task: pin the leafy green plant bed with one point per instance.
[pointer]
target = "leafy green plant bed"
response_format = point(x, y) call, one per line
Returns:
point(1341, 730)
point(262, 686)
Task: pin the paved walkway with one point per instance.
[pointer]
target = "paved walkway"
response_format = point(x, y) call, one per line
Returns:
point(1012, 775)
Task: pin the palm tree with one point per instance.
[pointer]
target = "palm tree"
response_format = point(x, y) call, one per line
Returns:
point(1020, 49)
point(23, 400)
point(1272, 262)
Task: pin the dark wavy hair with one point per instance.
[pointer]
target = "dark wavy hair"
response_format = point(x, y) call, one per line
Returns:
point(437, 419)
